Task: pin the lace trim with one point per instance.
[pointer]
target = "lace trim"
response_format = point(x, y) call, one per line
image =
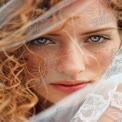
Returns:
point(92, 108)
point(116, 100)
point(95, 105)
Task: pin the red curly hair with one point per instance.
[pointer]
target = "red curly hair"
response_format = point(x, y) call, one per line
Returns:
point(17, 99)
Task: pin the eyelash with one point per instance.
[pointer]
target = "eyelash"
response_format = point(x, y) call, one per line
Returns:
point(47, 40)
point(104, 39)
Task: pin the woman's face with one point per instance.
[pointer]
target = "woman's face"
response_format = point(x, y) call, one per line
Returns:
point(78, 54)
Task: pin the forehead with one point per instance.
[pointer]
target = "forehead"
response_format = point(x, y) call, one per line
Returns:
point(90, 7)
point(88, 13)
point(81, 16)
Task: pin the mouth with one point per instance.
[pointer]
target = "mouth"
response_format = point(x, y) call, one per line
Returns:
point(70, 86)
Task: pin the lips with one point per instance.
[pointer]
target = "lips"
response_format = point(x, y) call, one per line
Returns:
point(69, 86)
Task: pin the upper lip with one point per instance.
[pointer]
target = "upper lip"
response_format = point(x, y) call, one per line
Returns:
point(70, 82)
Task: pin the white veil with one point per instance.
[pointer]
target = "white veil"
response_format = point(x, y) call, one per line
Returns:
point(87, 105)
point(90, 105)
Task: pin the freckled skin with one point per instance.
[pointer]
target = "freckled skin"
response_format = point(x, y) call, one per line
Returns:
point(71, 57)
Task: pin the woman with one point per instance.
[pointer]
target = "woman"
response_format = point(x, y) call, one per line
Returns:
point(70, 56)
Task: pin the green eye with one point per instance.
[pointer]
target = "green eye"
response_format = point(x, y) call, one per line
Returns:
point(42, 41)
point(96, 38)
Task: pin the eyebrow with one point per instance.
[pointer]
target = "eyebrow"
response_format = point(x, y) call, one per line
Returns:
point(88, 32)
point(54, 34)
point(99, 30)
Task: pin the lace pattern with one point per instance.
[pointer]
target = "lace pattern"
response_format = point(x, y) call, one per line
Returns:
point(116, 100)
point(92, 108)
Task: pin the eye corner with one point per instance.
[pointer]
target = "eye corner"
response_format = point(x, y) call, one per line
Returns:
point(97, 38)
point(42, 41)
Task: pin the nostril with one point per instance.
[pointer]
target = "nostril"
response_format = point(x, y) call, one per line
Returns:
point(71, 69)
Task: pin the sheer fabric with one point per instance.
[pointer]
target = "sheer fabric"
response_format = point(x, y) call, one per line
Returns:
point(88, 105)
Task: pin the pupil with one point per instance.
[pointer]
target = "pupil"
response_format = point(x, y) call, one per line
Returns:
point(96, 38)
point(42, 40)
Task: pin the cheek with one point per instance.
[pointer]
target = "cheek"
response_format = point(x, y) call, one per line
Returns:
point(39, 67)
point(51, 59)
point(34, 63)
point(105, 59)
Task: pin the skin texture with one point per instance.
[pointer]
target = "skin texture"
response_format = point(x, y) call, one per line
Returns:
point(70, 54)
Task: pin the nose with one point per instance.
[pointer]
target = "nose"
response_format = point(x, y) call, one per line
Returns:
point(71, 60)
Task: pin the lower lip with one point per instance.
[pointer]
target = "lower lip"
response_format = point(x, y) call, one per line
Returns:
point(68, 88)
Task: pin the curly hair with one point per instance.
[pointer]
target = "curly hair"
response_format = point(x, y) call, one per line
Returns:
point(17, 99)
